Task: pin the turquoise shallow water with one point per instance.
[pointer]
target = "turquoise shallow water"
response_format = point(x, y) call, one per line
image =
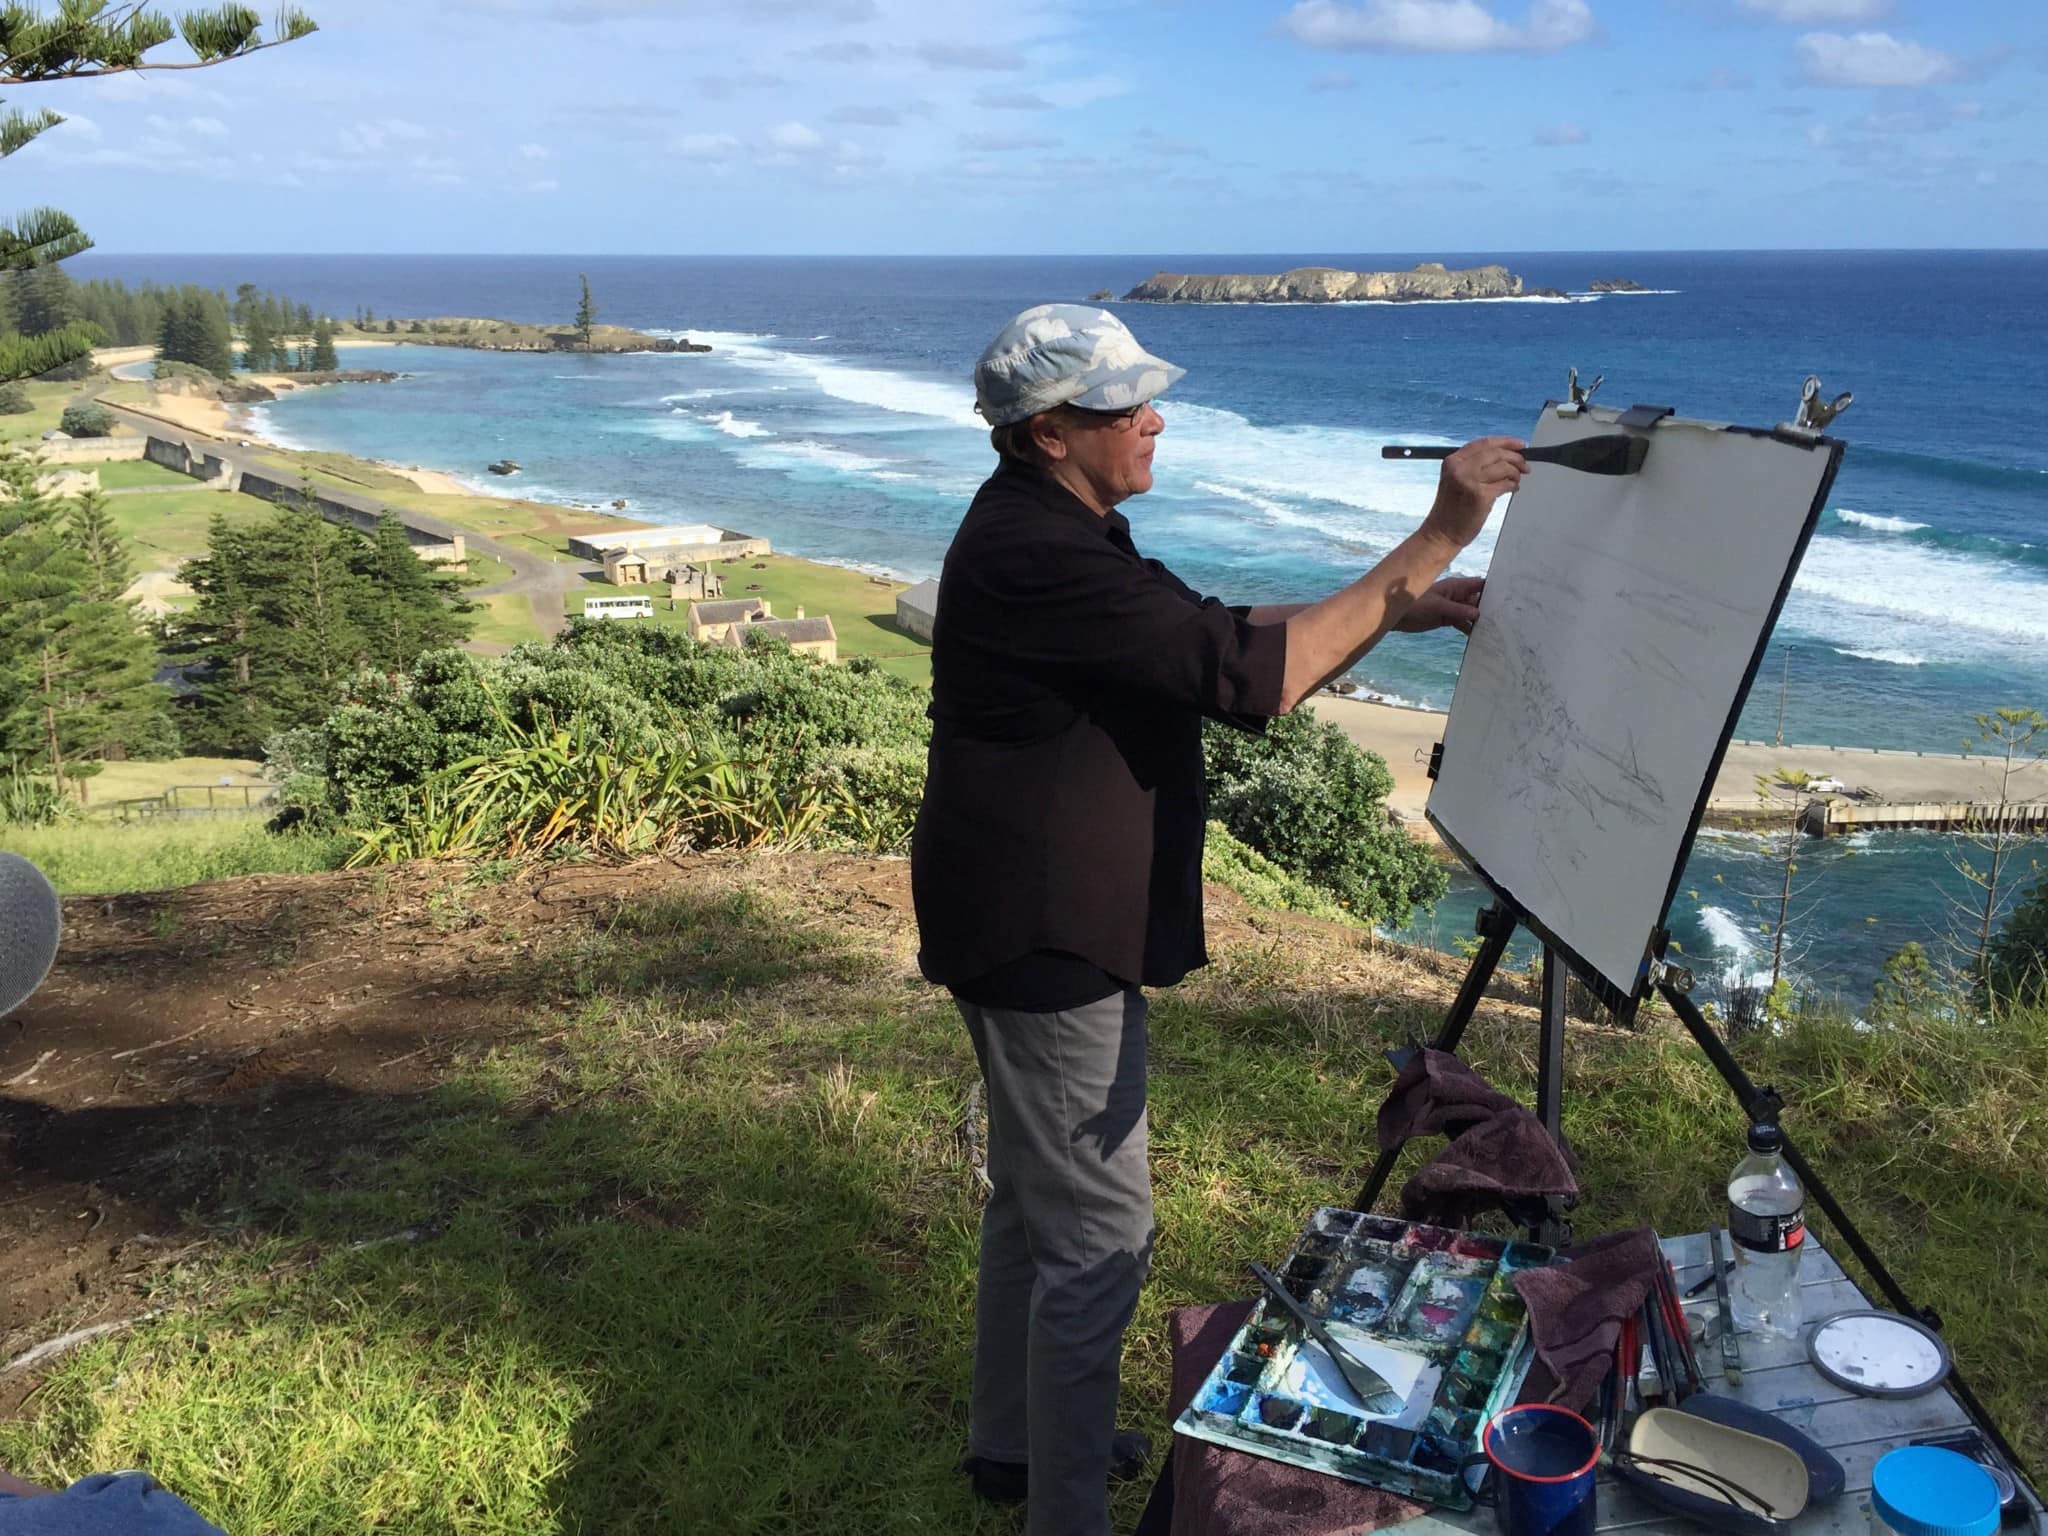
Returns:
point(834, 417)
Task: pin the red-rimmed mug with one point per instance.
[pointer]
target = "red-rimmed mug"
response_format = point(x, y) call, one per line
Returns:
point(1544, 1459)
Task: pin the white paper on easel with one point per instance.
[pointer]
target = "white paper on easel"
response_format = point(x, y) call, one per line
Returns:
point(1621, 617)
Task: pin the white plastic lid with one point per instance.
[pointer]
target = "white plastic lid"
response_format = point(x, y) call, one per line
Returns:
point(1922, 1490)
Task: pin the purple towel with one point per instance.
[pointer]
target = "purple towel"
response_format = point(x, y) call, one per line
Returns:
point(1576, 1308)
point(1507, 1157)
point(1436, 1092)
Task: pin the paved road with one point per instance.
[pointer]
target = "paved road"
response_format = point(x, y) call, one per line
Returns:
point(543, 581)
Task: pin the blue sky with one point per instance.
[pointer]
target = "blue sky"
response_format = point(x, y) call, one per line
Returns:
point(1042, 126)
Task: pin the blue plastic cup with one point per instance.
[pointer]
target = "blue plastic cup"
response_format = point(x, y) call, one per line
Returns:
point(1544, 1459)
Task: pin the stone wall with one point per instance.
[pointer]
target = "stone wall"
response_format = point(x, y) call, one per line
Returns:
point(427, 543)
point(93, 450)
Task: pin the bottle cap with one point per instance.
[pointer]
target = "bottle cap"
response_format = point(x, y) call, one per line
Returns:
point(1922, 1490)
point(1764, 1136)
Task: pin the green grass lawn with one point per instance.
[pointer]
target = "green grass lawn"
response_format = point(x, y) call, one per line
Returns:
point(123, 474)
point(163, 529)
point(96, 857)
point(505, 619)
point(134, 780)
point(48, 402)
point(696, 1251)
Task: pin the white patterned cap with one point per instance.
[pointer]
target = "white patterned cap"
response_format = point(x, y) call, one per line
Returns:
point(1066, 354)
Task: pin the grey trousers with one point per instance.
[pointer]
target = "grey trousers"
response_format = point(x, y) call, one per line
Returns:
point(1066, 1242)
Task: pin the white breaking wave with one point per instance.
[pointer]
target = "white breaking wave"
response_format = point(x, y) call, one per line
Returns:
point(821, 455)
point(1724, 932)
point(1932, 599)
point(733, 426)
point(1896, 658)
point(696, 394)
point(1876, 523)
point(883, 389)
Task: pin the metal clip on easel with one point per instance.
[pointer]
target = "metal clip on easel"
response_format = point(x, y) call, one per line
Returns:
point(1814, 412)
point(1580, 395)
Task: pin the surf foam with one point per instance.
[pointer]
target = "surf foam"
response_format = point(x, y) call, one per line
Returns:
point(1877, 524)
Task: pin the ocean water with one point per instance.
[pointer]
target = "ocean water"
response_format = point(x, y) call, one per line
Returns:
point(834, 416)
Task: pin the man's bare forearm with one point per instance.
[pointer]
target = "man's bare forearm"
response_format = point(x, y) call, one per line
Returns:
point(1326, 638)
point(21, 1488)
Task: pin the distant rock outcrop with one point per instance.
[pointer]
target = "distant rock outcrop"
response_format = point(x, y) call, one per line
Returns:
point(1328, 285)
point(1615, 285)
point(1101, 296)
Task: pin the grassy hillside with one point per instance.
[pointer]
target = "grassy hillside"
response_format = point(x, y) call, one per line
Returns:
point(643, 1199)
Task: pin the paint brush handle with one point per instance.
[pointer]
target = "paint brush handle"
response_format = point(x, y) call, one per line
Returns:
point(1414, 451)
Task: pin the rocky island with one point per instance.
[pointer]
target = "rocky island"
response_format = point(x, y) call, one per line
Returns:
point(1328, 285)
point(1615, 285)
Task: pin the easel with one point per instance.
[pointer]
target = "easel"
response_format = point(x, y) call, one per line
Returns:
point(1673, 983)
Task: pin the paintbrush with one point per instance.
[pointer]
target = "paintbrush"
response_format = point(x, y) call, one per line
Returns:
point(1374, 1390)
point(1614, 453)
point(1731, 1352)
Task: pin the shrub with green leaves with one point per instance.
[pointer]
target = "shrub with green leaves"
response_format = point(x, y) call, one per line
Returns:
point(14, 400)
point(1309, 799)
point(1226, 861)
point(2017, 971)
point(86, 418)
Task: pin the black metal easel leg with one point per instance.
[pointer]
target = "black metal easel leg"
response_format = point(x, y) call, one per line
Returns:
point(1496, 928)
point(1751, 1098)
point(1554, 1230)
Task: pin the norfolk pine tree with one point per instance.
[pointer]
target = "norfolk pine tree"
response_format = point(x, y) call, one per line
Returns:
point(99, 547)
point(83, 39)
point(404, 606)
point(324, 359)
point(586, 313)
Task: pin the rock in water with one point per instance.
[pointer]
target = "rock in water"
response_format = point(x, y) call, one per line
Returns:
point(1615, 285)
point(1328, 285)
point(503, 467)
point(1101, 296)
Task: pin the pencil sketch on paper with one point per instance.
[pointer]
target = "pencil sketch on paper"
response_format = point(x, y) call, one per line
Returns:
point(1620, 618)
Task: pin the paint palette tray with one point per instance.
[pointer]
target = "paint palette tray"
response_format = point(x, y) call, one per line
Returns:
point(1433, 1311)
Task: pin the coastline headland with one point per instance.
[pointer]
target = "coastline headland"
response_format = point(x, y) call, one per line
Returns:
point(479, 335)
point(1328, 285)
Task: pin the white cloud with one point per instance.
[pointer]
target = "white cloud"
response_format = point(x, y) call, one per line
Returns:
point(794, 138)
point(1012, 101)
point(78, 127)
point(866, 117)
point(194, 127)
point(374, 137)
point(1436, 26)
point(1819, 13)
point(545, 184)
point(1333, 80)
point(707, 146)
point(1873, 59)
point(996, 143)
point(435, 170)
point(1818, 134)
point(534, 152)
point(1558, 135)
point(968, 56)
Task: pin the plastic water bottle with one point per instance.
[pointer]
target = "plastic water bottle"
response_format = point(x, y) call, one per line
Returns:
point(1767, 1221)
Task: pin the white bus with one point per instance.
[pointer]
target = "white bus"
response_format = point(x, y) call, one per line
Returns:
point(618, 607)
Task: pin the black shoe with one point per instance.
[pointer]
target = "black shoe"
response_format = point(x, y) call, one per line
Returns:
point(1005, 1482)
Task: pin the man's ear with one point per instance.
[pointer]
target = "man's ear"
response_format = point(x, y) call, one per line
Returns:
point(1052, 448)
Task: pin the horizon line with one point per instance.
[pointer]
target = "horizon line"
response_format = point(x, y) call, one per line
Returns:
point(1703, 250)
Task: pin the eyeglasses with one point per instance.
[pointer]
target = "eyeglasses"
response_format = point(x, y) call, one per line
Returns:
point(1116, 420)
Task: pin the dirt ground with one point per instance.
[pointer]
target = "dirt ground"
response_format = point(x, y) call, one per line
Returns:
point(186, 1036)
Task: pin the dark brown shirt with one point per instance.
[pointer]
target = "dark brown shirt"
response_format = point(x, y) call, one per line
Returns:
point(1064, 801)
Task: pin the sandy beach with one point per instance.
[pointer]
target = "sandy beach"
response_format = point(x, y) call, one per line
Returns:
point(1404, 738)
